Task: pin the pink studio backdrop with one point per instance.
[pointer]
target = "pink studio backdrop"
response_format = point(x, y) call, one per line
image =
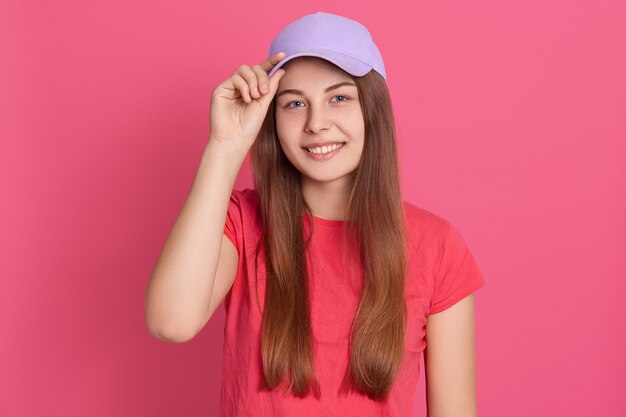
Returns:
point(511, 124)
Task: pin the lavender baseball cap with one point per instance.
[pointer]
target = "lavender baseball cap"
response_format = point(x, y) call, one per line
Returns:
point(342, 41)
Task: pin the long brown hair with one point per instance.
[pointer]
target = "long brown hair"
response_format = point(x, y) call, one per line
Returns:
point(377, 339)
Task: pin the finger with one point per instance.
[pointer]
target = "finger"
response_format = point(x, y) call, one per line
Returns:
point(263, 81)
point(241, 85)
point(274, 81)
point(272, 60)
point(248, 74)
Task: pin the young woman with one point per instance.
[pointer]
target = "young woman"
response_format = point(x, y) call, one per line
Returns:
point(332, 284)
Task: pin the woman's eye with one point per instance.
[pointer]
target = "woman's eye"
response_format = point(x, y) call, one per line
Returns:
point(289, 105)
point(341, 96)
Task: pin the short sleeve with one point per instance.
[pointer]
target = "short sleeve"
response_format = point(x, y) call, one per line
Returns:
point(233, 227)
point(458, 274)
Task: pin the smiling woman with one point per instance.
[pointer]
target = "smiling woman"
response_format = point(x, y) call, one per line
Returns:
point(330, 280)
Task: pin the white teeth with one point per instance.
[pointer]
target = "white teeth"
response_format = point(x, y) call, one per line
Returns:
point(324, 149)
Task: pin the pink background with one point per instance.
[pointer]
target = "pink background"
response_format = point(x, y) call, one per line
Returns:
point(511, 125)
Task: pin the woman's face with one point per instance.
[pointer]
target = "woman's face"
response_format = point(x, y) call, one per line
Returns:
point(308, 113)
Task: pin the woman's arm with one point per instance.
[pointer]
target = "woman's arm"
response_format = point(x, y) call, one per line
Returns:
point(450, 361)
point(196, 261)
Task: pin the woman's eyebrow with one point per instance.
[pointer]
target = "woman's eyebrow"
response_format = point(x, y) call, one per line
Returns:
point(332, 87)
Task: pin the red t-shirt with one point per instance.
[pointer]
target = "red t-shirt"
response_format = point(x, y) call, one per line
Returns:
point(441, 271)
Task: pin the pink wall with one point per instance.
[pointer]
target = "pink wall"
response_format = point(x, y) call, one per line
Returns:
point(511, 122)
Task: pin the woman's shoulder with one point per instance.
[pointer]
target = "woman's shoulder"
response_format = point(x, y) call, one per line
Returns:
point(245, 202)
point(245, 198)
point(243, 212)
point(424, 221)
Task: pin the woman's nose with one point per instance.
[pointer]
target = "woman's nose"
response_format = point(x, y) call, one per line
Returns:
point(318, 118)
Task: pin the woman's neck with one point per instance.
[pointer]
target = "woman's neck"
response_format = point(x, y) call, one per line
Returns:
point(327, 199)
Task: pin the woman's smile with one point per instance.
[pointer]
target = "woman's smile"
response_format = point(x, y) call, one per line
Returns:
point(324, 153)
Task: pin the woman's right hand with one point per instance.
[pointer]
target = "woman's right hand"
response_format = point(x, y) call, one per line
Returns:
point(239, 104)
